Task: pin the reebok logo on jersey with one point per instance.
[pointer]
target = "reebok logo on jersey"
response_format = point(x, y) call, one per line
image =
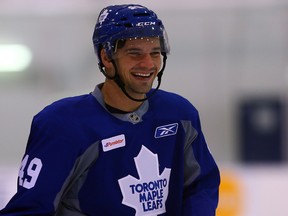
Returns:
point(113, 142)
point(166, 130)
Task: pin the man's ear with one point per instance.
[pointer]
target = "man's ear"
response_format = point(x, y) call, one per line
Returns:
point(106, 60)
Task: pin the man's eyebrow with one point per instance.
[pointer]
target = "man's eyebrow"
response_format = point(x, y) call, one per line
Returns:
point(139, 49)
point(133, 49)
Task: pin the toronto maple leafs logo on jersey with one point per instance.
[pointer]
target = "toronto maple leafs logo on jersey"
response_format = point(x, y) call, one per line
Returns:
point(148, 194)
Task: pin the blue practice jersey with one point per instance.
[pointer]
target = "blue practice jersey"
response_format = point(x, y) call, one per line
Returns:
point(82, 159)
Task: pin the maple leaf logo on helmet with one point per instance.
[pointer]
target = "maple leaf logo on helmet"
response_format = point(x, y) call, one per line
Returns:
point(103, 16)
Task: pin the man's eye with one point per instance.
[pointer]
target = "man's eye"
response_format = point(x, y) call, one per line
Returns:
point(155, 54)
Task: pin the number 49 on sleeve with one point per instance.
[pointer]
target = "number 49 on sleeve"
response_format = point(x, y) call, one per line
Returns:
point(34, 167)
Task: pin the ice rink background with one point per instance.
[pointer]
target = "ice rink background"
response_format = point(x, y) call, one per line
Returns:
point(222, 53)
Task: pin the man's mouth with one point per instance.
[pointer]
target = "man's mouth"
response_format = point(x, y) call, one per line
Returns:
point(142, 75)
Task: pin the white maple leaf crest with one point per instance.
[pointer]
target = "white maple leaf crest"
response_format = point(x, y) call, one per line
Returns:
point(148, 194)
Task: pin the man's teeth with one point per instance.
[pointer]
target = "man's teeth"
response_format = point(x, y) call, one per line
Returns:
point(142, 75)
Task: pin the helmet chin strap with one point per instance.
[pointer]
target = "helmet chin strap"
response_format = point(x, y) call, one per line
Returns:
point(121, 84)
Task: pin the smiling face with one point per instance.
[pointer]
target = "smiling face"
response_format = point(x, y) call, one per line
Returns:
point(138, 62)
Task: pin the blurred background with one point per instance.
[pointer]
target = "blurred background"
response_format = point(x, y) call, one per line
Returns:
point(229, 58)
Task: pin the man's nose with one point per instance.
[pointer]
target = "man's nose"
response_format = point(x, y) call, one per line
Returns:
point(147, 61)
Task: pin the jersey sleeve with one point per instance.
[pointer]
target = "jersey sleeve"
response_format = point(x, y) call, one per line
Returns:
point(48, 161)
point(201, 192)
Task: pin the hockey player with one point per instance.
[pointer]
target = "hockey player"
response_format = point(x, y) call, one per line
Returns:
point(125, 149)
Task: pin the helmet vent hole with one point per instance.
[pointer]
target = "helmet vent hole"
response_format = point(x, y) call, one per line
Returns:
point(128, 25)
point(141, 14)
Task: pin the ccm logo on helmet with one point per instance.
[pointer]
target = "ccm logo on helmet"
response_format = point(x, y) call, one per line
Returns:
point(145, 23)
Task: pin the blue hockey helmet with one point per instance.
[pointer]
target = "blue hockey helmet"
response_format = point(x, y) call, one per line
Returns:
point(118, 22)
